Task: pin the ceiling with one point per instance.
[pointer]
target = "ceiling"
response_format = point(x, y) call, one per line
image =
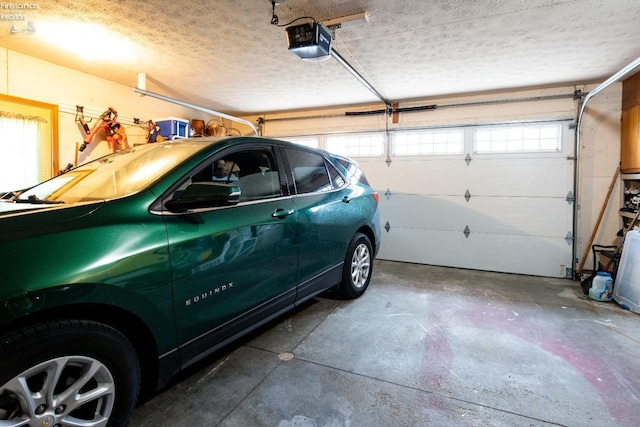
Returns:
point(227, 56)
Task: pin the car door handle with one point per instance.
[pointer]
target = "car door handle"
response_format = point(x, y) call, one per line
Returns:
point(346, 199)
point(282, 213)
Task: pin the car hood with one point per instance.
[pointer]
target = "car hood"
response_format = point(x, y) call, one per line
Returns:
point(20, 219)
point(7, 208)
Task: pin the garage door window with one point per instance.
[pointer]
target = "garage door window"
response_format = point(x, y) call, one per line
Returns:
point(311, 142)
point(428, 142)
point(518, 139)
point(369, 145)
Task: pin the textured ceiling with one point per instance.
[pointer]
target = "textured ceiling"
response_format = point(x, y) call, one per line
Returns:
point(225, 55)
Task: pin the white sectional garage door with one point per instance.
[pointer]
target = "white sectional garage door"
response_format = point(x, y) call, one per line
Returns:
point(490, 206)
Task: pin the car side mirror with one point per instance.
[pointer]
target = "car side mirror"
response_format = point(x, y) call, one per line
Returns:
point(199, 195)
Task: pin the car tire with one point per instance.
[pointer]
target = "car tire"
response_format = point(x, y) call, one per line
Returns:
point(72, 371)
point(358, 266)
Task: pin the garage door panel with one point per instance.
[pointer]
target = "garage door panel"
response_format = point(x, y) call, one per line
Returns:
point(502, 215)
point(428, 212)
point(505, 253)
point(427, 177)
point(510, 215)
point(547, 177)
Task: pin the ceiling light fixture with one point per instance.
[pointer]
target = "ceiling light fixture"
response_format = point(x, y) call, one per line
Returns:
point(87, 40)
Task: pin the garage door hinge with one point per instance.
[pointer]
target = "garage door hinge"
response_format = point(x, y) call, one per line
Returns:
point(569, 238)
point(467, 232)
point(571, 157)
point(467, 159)
point(467, 196)
point(387, 226)
point(387, 194)
point(570, 199)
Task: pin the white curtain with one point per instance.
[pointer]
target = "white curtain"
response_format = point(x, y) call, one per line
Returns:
point(21, 164)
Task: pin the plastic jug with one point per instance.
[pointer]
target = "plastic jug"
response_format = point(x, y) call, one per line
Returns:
point(601, 287)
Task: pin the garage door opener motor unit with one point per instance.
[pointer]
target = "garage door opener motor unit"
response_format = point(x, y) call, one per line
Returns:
point(310, 41)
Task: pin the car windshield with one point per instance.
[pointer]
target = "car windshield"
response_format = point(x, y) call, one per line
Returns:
point(112, 176)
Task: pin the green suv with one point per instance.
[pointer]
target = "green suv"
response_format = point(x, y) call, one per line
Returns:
point(122, 272)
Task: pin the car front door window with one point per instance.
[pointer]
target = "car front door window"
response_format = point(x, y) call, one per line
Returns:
point(254, 171)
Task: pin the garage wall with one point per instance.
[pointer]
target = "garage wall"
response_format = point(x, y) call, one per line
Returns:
point(26, 77)
point(599, 158)
point(599, 154)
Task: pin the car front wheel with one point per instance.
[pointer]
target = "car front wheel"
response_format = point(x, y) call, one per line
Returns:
point(358, 266)
point(68, 373)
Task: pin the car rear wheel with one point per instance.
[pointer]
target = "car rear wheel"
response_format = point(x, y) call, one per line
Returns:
point(68, 373)
point(358, 266)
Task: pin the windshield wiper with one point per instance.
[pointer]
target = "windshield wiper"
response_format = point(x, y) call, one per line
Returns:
point(36, 200)
point(11, 195)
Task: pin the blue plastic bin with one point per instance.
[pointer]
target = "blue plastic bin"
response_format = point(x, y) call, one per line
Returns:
point(173, 128)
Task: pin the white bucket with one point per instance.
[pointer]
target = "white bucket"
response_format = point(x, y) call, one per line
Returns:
point(601, 287)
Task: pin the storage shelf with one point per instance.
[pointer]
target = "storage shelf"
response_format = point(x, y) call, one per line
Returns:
point(629, 215)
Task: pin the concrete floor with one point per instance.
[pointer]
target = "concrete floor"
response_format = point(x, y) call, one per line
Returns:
point(424, 346)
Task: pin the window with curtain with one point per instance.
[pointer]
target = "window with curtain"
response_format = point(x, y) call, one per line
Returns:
point(23, 162)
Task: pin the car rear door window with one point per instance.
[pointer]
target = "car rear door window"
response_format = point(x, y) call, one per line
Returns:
point(353, 171)
point(336, 179)
point(309, 172)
